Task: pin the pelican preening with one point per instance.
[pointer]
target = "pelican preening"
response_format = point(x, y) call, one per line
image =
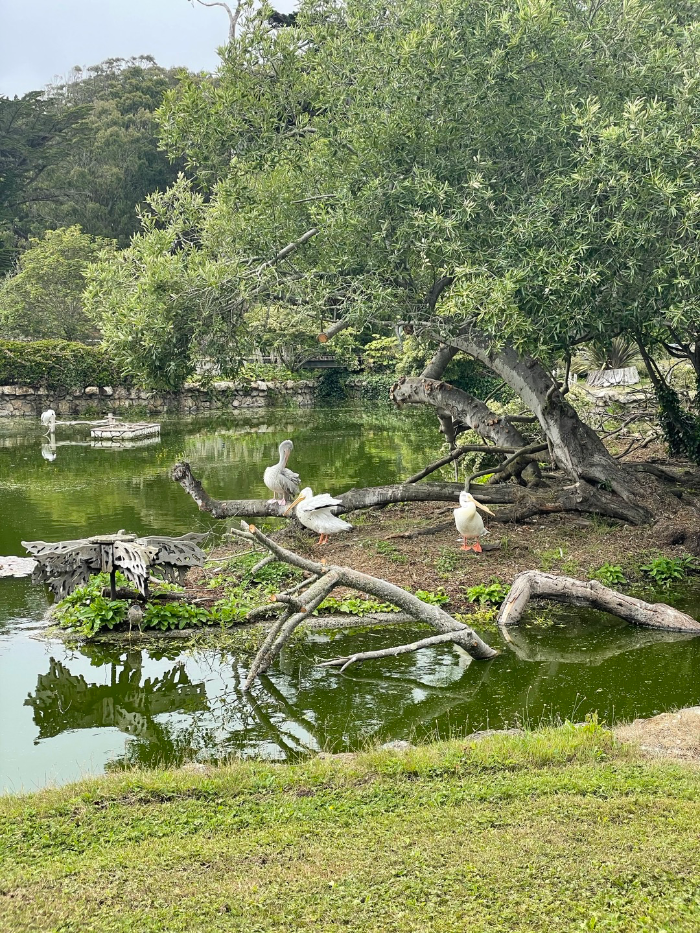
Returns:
point(281, 481)
point(314, 512)
point(48, 419)
point(468, 521)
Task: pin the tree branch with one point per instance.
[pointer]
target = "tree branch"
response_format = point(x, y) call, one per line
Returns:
point(344, 663)
point(533, 584)
point(330, 576)
point(232, 17)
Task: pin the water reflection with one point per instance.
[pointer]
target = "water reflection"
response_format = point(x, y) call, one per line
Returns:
point(174, 707)
point(130, 701)
point(104, 707)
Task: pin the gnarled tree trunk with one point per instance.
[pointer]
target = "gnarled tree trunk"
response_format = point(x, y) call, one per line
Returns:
point(576, 448)
point(464, 408)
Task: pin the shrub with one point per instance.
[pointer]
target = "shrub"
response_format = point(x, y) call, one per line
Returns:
point(609, 575)
point(488, 594)
point(56, 364)
point(667, 570)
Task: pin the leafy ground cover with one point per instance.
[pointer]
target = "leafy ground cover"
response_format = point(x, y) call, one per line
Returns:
point(557, 830)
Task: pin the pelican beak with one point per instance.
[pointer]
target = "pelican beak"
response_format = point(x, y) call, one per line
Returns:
point(485, 508)
point(290, 507)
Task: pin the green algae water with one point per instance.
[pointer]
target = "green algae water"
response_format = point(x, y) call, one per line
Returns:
point(67, 712)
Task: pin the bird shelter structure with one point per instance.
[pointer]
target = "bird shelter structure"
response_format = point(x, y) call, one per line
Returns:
point(65, 565)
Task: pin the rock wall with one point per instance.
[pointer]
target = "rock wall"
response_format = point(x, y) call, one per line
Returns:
point(28, 402)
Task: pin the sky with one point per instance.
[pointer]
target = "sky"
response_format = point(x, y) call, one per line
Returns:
point(44, 39)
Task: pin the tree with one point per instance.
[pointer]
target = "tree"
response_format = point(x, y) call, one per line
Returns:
point(43, 299)
point(454, 159)
point(35, 134)
point(162, 304)
point(105, 176)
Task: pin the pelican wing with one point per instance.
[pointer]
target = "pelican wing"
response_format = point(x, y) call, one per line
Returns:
point(289, 481)
point(322, 501)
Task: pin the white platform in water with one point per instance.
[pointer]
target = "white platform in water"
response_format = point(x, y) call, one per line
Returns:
point(124, 432)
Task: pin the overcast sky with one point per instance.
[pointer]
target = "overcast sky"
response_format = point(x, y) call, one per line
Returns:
point(42, 39)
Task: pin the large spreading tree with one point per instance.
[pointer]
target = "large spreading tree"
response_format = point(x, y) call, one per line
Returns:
point(507, 179)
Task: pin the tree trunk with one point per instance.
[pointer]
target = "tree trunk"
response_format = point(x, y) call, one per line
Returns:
point(576, 448)
point(464, 408)
point(533, 584)
point(519, 504)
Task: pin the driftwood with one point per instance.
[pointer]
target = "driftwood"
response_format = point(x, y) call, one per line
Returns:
point(533, 584)
point(344, 663)
point(298, 604)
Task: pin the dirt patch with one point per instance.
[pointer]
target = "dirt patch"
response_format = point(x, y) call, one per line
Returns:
point(560, 543)
point(669, 735)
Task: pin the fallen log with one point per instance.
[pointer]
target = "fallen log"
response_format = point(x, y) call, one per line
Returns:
point(367, 498)
point(325, 578)
point(520, 503)
point(533, 584)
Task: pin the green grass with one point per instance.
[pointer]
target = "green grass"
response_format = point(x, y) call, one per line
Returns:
point(558, 830)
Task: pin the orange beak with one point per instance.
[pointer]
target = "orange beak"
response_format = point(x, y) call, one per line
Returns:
point(290, 507)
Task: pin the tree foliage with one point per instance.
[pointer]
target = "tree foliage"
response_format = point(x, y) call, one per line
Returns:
point(102, 178)
point(528, 170)
point(162, 304)
point(44, 297)
point(35, 135)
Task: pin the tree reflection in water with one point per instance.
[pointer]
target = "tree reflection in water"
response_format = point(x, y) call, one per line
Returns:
point(63, 701)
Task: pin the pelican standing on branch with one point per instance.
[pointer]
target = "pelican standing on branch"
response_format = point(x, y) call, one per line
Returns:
point(281, 481)
point(468, 521)
point(314, 512)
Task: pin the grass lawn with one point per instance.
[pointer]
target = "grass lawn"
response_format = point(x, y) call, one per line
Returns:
point(558, 830)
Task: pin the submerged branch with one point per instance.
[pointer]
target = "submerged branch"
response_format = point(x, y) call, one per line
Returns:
point(300, 606)
point(344, 663)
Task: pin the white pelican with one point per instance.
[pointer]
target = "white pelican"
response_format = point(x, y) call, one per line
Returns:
point(468, 521)
point(314, 512)
point(279, 479)
point(48, 419)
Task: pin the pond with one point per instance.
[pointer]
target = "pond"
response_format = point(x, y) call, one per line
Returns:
point(68, 712)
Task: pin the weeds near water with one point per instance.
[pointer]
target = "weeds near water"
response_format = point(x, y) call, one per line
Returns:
point(609, 575)
point(667, 570)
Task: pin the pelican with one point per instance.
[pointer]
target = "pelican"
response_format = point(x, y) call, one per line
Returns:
point(468, 521)
point(48, 419)
point(279, 479)
point(314, 512)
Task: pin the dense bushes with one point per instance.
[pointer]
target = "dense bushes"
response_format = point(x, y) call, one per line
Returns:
point(56, 364)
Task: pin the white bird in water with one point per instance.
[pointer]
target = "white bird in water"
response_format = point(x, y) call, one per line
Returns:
point(48, 419)
point(314, 512)
point(281, 481)
point(468, 521)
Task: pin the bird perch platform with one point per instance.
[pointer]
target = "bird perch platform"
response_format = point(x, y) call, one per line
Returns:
point(114, 431)
point(111, 429)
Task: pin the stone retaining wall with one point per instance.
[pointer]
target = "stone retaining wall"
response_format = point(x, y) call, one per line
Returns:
point(27, 402)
